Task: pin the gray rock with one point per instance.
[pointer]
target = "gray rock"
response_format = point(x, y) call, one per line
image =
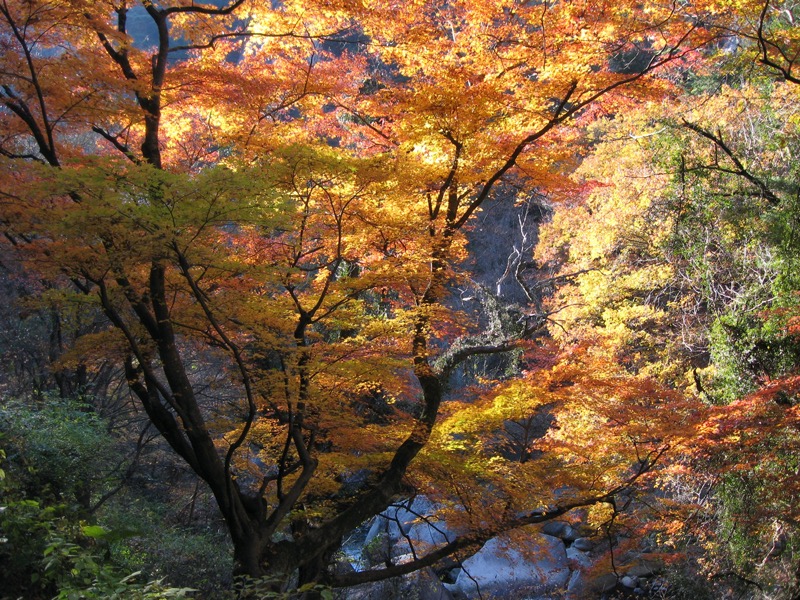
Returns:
point(582, 586)
point(583, 544)
point(449, 576)
point(570, 534)
point(381, 526)
point(629, 582)
point(576, 583)
point(378, 549)
point(581, 559)
point(343, 567)
point(423, 537)
point(556, 528)
point(503, 570)
point(431, 532)
point(604, 583)
point(601, 584)
point(399, 518)
point(421, 585)
point(658, 585)
point(560, 529)
point(645, 569)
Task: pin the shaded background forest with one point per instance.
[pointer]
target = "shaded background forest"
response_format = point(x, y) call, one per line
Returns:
point(612, 320)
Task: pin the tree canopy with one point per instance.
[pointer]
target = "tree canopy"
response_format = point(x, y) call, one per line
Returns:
point(265, 216)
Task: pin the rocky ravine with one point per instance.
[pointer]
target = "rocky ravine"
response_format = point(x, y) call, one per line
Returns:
point(551, 561)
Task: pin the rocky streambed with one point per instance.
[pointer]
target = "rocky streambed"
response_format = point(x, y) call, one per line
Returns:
point(550, 561)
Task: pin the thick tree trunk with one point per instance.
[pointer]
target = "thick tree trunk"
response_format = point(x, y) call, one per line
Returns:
point(275, 564)
point(248, 557)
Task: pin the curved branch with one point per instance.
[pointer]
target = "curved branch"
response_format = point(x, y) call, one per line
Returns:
point(204, 9)
point(764, 45)
point(740, 168)
point(117, 144)
point(564, 111)
point(202, 300)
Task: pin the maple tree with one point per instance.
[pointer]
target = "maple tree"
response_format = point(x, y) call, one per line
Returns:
point(282, 193)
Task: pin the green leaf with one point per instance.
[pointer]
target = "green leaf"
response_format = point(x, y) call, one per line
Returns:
point(94, 531)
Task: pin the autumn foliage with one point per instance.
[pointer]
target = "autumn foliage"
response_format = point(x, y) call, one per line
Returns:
point(269, 207)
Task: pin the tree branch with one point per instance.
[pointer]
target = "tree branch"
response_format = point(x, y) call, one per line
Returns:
point(740, 168)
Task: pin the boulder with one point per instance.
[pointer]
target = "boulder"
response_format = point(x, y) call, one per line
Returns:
point(378, 549)
point(578, 559)
point(556, 528)
point(419, 585)
point(575, 585)
point(424, 537)
point(561, 530)
point(583, 544)
point(502, 570)
point(433, 533)
point(582, 586)
point(570, 534)
point(603, 583)
point(645, 568)
point(399, 518)
point(343, 567)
